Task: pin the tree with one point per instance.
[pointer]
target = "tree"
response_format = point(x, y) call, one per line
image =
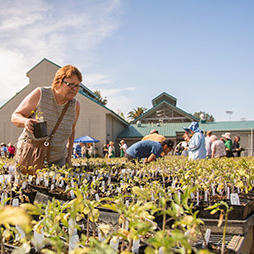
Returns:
point(100, 99)
point(135, 113)
point(208, 118)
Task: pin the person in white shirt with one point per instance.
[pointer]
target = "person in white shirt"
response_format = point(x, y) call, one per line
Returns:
point(218, 148)
point(208, 144)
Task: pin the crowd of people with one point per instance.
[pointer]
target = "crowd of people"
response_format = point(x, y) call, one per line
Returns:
point(200, 147)
point(7, 151)
point(195, 146)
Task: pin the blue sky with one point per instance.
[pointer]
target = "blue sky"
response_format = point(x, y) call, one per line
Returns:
point(200, 52)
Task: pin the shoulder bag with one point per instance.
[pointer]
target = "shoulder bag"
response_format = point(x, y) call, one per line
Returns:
point(33, 154)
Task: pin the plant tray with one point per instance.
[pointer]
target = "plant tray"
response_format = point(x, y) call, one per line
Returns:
point(234, 227)
point(239, 212)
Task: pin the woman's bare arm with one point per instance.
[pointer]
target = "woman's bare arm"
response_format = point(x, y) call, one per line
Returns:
point(20, 116)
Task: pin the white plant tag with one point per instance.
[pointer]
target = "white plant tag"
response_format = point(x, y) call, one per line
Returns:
point(114, 243)
point(24, 185)
point(21, 233)
point(101, 236)
point(179, 195)
point(135, 246)
point(197, 198)
point(15, 202)
point(38, 239)
point(16, 181)
point(97, 198)
point(213, 191)
point(74, 239)
point(30, 178)
point(52, 187)
point(206, 196)
point(234, 199)
point(72, 194)
point(228, 193)
point(46, 181)
point(72, 184)
point(72, 229)
point(207, 237)
point(161, 250)
point(4, 197)
point(37, 181)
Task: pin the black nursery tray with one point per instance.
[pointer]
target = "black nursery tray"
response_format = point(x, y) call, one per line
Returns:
point(234, 227)
point(239, 212)
point(56, 193)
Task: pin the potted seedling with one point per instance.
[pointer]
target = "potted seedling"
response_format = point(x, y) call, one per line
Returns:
point(40, 128)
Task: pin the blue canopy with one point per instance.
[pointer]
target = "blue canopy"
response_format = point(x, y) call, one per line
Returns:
point(86, 139)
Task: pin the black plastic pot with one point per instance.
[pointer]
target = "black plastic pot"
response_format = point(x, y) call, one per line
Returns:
point(40, 129)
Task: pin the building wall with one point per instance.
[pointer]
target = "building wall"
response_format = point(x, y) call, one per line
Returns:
point(93, 121)
point(41, 75)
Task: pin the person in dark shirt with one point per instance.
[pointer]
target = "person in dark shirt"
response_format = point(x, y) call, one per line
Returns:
point(236, 147)
point(77, 151)
point(149, 150)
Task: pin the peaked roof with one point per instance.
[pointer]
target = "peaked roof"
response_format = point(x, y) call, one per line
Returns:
point(44, 59)
point(164, 111)
point(164, 97)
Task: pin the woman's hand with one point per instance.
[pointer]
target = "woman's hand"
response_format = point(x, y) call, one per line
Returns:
point(29, 124)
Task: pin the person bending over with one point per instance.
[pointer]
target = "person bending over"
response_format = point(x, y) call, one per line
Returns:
point(149, 150)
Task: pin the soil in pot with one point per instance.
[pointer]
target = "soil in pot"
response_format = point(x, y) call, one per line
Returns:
point(40, 130)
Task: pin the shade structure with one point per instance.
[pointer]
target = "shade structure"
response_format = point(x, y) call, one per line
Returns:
point(86, 139)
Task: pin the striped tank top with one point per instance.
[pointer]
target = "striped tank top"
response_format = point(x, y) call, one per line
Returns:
point(51, 111)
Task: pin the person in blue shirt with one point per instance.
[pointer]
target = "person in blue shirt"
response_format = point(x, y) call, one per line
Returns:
point(149, 150)
point(196, 146)
point(77, 151)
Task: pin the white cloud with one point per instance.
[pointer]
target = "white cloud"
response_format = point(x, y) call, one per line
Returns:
point(64, 33)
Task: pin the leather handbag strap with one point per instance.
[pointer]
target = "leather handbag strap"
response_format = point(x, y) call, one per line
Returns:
point(59, 120)
point(54, 130)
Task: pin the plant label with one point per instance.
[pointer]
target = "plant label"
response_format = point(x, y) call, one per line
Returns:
point(24, 185)
point(21, 234)
point(206, 196)
point(234, 199)
point(15, 202)
point(38, 239)
point(207, 236)
point(4, 197)
point(161, 250)
point(72, 194)
point(228, 193)
point(114, 243)
point(74, 239)
point(135, 246)
point(30, 178)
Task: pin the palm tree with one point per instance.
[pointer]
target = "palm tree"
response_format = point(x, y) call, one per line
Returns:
point(135, 113)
